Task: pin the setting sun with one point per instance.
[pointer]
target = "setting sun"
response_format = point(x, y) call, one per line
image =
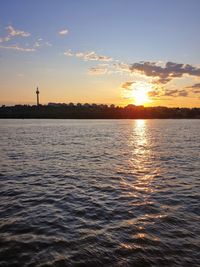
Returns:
point(140, 96)
point(138, 92)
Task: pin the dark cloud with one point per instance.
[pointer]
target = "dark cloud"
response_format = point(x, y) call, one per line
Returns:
point(166, 73)
point(127, 85)
point(153, 93)
point(195, 86)
point(175, 93)
point(196, 91)
point(183, 93)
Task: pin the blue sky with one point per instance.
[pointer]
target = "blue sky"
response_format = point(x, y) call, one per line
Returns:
point(126, 31)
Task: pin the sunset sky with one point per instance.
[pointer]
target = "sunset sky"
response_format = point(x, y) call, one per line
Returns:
point(109, 51)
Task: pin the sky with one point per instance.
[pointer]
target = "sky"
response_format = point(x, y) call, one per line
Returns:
point(143, 52)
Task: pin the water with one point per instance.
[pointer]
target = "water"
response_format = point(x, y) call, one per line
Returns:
point(100, 193)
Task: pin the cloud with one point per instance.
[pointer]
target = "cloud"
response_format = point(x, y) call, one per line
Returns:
point(37, 44)
point(48, 44)
point(40, 43)
point(69, 53)
point(173, 93)
point(127, 85)
point(196, 91)
point(63, 32)
point(18, 48)
point(194, 86)
point(183, 93)
point(121, 67)
point(167, 72)
point(4, 39)
point(98, 70)
point(88, 56)
point(154, 91)
point(153, 94)
point(156, 73)
point(14, 32)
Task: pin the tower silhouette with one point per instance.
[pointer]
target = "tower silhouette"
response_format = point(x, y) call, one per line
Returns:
point(37, 93)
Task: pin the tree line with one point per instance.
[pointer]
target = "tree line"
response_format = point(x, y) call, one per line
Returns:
point(95, 111)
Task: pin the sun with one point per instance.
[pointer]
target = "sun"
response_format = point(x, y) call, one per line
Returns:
point(139, 93)
point(140, 96)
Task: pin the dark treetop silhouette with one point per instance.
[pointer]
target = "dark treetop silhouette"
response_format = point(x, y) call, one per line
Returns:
point(94, 111)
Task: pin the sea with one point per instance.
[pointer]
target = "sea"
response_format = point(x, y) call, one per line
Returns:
point(99, 193)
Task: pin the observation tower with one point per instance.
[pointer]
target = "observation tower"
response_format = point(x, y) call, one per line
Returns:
point(37, 93)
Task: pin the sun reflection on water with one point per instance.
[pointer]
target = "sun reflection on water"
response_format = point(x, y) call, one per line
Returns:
point(139, 137)
point(138, 181)
point(141, 160)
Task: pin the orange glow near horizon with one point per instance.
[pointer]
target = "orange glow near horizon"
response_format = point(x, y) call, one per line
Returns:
point(139, 93)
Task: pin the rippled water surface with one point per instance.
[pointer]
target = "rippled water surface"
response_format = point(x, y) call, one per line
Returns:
point(100, 193)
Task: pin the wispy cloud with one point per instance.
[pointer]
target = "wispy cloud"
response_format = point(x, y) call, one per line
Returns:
point(18, 48)
point(40, 43)
point(121, 67)
point(12, 33)
point(5, 39)
point(37, 44)
point(88, 56)
point(48, 44)
point(63, 32)
point(99, 69)
point(15, 32)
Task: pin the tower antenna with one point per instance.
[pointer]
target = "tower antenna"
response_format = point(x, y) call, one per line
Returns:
point(37, 93)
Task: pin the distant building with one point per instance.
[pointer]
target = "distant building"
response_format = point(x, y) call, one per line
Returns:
point(37, 93)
